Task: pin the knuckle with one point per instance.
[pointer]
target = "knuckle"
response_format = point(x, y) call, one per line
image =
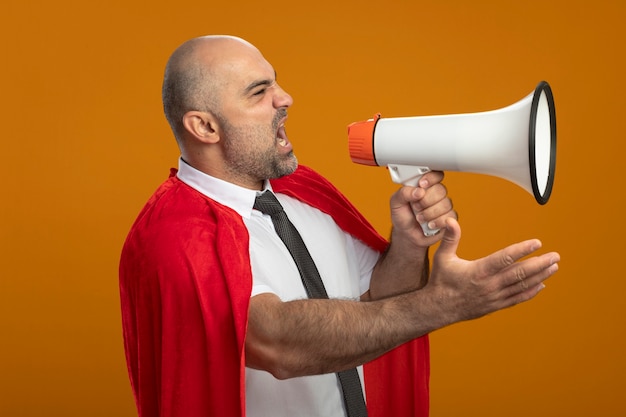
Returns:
point(506, 260)
point(520, 274)
point(442, 191)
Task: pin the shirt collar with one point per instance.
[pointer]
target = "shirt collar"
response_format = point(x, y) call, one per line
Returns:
point(237, 198)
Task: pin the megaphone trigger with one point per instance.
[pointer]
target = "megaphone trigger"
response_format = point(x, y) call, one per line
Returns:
point(407, 174)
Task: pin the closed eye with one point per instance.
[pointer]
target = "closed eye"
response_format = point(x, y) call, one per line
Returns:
point(259, 87)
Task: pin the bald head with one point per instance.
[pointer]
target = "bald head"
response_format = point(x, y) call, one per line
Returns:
point(193, 77)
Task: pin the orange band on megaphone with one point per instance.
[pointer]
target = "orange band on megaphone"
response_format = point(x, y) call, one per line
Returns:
point(361, 141)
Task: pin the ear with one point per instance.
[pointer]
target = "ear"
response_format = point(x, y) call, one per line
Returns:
point(202, 126)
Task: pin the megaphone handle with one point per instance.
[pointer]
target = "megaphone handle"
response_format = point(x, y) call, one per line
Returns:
point(410, 175)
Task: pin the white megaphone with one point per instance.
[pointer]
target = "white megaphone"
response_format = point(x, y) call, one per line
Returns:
point(517, 143)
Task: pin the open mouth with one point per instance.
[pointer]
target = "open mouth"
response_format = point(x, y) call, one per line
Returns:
point(281, 135)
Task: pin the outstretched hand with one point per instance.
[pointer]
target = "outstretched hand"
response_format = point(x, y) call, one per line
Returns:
point(466, 289)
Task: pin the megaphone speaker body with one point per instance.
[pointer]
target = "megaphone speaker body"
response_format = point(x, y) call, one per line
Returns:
point(517, 143)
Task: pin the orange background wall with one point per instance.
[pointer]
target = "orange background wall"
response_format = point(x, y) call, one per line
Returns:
point(85, 143)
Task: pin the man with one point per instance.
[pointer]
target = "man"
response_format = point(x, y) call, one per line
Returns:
point(216, 318)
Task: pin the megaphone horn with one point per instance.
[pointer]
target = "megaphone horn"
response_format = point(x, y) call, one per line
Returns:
point(517, 143)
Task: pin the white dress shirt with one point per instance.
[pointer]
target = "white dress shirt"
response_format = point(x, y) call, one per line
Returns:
point(344, 263)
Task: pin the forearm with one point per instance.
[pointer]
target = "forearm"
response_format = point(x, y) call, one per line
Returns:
point(402, 268)
point(405, 266)
point(309, 337)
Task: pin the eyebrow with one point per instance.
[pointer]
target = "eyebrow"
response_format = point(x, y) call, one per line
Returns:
point(259, 83)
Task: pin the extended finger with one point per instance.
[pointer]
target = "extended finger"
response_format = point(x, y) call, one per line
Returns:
point(504, 258)
point(530, 273)
point(528, 288)
point(526, 283)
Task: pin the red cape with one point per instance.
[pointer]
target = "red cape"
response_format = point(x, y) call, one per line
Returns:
point(185, 305)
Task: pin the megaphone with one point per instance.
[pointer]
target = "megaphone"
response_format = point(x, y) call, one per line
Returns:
point(517, 143)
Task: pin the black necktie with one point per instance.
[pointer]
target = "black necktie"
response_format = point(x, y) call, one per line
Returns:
point(268, 204)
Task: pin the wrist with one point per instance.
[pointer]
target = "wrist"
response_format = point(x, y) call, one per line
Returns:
point(408, 244)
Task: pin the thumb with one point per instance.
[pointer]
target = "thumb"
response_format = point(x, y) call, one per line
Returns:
point(450, 240)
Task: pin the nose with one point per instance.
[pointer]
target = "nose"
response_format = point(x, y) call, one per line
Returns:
point(282, 98)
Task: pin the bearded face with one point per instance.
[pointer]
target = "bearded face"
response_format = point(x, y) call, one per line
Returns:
point(258, 151)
